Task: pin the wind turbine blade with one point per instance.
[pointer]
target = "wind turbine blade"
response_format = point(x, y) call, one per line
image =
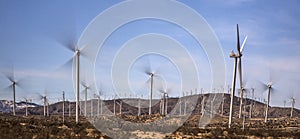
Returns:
point(243, 44)
point(162, 90)
point(10, 77)
point(262, 86)
point(72, 45)
point(40, 96)
point(143, 65)
point(9, 73)
point(69, 43)
point(25, 83)
point(238, 39)
point(274, 90)
point(147, 67)
point(246, 90)
point(240, 71)
point(67, 65)
point(87, 52)
point(143, 88)
point(147, 82)
point(7, 89)
point(158, 70)
point(83, 83)
point(68, 38)
point(274, 77)
point(35, 96)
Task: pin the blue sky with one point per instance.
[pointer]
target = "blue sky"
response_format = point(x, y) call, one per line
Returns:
point(31, 33)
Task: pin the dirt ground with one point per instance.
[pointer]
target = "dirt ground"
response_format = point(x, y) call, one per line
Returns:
point(39, 127)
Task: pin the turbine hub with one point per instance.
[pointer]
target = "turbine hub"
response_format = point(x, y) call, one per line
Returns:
point(269, 85)
point(232, 54)
point(77, 52)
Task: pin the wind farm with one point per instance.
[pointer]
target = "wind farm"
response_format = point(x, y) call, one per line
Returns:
point(133, 69)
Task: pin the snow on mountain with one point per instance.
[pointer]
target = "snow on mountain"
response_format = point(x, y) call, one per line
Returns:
point(7, 105)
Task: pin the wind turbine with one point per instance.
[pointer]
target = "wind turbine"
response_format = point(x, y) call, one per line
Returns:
point(269, 88)
point(165, 101)
point(120, 106)
point(180, 102)
point(237, 57)
point(223, 100)
point(243, 92)
point(251, 104)
point(148, 71)
point(86, 88)
point(212, 105)
point(71, 45)
point(151, 90)
point(202, 105)
point(185, 97)
point(63, 94)
point(45, 100)
point(10, 75)
point(26, 106)
point(69, 108)
point(139, 105)
point(161, 105)
point(98, 100)
point(293, 105)
point(91, 103)
point(48, 104)
point(115, 105)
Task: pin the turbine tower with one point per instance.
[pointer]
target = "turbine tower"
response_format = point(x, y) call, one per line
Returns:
point(293, 105)
point(269, 88)
point(139, 107)
point(165, 101)
point(14, 83)
point(86, 88)
point(151, 92)
point(44, 98)
point(237, 57)
point(71, 45)
point(26, 106)
point(63, 106)
point(14, 96)
point(251, 104)
point(77, 54)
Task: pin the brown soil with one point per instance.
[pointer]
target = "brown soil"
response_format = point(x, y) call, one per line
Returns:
point(39, 127)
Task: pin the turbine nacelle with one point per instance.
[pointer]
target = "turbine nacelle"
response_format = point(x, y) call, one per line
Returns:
point(269, 85)
point(234, 55)
point(150, 74)
point(77, 52)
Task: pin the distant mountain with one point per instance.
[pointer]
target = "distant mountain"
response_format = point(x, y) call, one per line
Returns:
point(258, 109)
point(7, 105)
